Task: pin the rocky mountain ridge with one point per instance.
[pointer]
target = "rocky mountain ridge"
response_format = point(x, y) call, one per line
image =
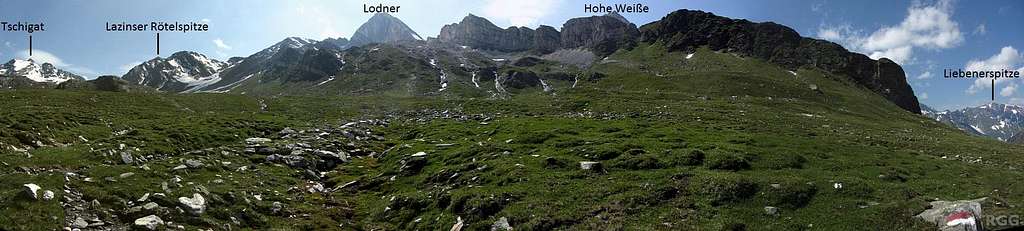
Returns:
point(686, 30)
point(998, 121)
point(603, 34)
point(39, 73)
point(312, 63)
point(179, 72)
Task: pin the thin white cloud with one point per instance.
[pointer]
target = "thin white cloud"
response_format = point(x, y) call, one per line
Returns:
point(519, 12)
point(220, 44)
point(925, 75)
point(205, 20)
point(1008, 58)
point(923, 96)
point(128, 66)
point(1016, 101)
point(41, 56)
point(925, 26)
point(1009, 90)
point(980, 30)
point(9, 44)
point(326, 20)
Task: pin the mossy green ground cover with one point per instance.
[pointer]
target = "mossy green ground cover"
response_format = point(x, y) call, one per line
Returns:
point(686, 144)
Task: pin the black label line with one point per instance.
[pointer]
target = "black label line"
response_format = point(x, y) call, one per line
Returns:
point(30, 45)
point(158, 44)
point(993, 89)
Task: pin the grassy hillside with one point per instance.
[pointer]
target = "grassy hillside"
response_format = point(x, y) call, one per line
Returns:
point(699, 143)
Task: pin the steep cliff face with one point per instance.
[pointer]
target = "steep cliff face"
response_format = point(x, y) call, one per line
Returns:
point(547, 39)
point(685, 30)
point(601, 34)
point(480, 33)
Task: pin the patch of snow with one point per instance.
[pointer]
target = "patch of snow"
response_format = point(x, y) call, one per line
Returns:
point(545, 85)
point(231, 86)
point(498, 60)
point(200, 83)
point(688, 56)
point(474, 79)
point(1001, 125)
point(443, 77)
point(21, 64)
point(792, 72)
point(576, 79)
point(325, 81)
point(977, 129)
point(497, 84)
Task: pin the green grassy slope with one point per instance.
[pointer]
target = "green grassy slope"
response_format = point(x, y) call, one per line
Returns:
point(686, 144)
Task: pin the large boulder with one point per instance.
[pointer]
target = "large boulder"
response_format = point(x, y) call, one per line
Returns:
point(150, 222)
point(195, 205)
point(962, 215)
point(31, 190)
point(686, 30)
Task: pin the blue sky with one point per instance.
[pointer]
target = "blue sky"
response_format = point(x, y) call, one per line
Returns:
point(924, 36)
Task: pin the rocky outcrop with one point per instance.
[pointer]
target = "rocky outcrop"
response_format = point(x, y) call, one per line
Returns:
point(604, 34)
point(480, 33)
point(601, 34)
point(686, 30)
point(513, 79)
point(103, 83)
point(382, 28)
point(962, 215)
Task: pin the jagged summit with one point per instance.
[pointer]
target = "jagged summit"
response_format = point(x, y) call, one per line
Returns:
point(995, 120)
point(42, 73)
point(180, 71)
point(383, 28)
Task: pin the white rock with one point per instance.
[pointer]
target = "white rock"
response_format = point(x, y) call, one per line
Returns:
point(150, 222)
point(47, 195)
point(590, 165)
point(144, 197)
point(30, 190)
point(256, 140)
point(79, 223)
point(150, 206)
point(195, 205)
point(419, 154)
point(501, 225)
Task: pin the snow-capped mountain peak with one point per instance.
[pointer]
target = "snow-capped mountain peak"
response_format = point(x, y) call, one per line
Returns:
point(180, 71)
point(44, 72)
point(995, 120)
